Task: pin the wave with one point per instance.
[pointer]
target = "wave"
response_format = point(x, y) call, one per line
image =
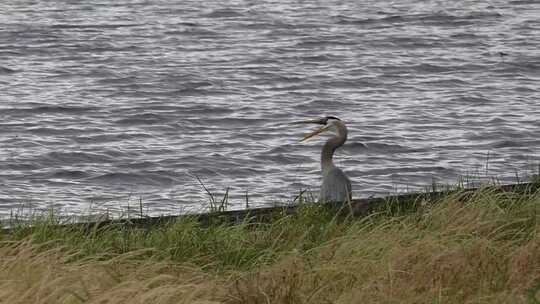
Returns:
point(6, 71)
point(441, 19)
point(224, 13)
point(140, 178)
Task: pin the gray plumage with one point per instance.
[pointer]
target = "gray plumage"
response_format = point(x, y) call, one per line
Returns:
point(336, 186)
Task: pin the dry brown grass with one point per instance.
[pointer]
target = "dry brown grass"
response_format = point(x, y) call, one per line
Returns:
point(30, 274)
point(483, 248)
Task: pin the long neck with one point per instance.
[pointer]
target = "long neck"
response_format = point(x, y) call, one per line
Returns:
point(331, 145)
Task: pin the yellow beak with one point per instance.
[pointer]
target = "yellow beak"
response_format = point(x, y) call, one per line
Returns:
point(316, 132)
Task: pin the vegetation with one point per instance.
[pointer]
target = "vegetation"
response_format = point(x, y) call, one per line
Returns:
point(479, 247)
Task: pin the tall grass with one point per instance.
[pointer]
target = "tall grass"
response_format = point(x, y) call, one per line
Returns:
point(480, 247)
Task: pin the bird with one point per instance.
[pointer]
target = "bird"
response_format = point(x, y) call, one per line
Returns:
point(336, 186)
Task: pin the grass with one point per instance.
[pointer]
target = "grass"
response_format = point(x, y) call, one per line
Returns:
point(480, 247)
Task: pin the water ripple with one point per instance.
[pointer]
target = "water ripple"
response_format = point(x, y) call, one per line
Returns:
point(104, 102)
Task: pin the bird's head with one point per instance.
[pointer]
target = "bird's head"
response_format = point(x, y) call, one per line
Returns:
point(327, 123)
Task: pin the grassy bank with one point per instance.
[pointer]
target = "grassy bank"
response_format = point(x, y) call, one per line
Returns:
point(480, 247)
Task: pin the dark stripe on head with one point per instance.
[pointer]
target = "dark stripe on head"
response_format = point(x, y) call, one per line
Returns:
point(332, 117)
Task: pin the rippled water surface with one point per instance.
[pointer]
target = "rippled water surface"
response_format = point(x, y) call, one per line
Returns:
point(104, 103)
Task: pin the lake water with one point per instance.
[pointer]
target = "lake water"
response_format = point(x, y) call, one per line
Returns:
point(105, 103)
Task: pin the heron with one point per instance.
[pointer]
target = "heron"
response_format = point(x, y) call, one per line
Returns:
point(336, 186)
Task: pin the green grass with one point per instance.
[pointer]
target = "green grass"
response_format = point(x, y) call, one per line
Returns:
point(479, 247)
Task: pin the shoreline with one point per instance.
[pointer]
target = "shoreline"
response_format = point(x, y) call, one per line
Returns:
point(357, 208)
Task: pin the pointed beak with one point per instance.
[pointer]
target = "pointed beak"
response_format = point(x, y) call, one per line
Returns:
point(318, 121)
point(310, 121)
point(314, 133)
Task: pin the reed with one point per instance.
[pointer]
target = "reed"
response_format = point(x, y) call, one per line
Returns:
point(464, 247)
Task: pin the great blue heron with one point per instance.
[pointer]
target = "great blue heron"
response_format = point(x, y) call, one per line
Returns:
point(336, 186)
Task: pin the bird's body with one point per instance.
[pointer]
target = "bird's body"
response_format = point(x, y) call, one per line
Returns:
point(336, 186)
